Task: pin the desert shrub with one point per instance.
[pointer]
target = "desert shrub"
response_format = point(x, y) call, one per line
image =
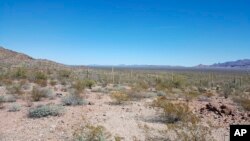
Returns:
point(48, 93)
point(161, 93)
point(178, 81)
point(191, 132)
point(63, 82)
point(53, 82)
point(243, 102)
point(41, 78)
point(64, 73)
point(6, 81)
point(174, 112)
point(15, 89)
point(133, 95)
point(41, 75)
point(118, 138)
point(192, 94)
point(142, 85)
point(99, 90)
point(89, 83)
point(1, 101)
point(38, 93)
point(91, 133)
point(161, 86)
point(46, 110)
point(21, 73)
point(209, 94)
point(26, 86)
point(1, 98)
point(79, 86)
point(73, 100)
point(9, 98)
point(119, 97)
point(14, 107)
point(227, 90)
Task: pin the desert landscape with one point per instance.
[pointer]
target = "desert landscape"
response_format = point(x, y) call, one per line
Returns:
point(124, 70)
point(41, 100)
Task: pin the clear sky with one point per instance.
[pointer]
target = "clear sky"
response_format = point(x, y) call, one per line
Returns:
point(111, 32)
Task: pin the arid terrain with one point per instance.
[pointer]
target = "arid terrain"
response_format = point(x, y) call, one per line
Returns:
point(44, 101)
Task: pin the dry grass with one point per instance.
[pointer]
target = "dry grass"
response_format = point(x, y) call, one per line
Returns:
point(119, 97)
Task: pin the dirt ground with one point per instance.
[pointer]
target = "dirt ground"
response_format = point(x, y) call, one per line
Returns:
point(132, 121)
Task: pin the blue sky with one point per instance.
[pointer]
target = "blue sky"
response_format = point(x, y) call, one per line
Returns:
point(111, 32)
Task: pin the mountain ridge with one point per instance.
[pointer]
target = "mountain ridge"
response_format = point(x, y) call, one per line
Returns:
point(10, 58)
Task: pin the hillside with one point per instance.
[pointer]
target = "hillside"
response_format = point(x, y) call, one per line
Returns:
point(9, 58)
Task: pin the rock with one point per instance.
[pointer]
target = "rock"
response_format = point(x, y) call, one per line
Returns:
point(91, 103)
point(212, 108)
point(202, 110)
point(225, 110)
point(59, 94)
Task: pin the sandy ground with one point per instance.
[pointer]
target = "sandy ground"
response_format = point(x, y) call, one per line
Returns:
point(133, 121)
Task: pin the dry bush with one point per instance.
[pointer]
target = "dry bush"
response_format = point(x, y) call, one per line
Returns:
point(53, 82)
point(142, 85)
point(209, 94)
point(119, 97)
point(46, 110)
point(174, 112)
point(73, 100)
point(20, 73)
point(9, 98)
point(192, 95)
point(244, 102)
point(191, 132)
point(41, 79)
point(1, 102)
point(79, 86)
point(89, 83)
point(64, 74)
point(134, 95)
point(15, 89)
point(91, 133)
point(15, 107)
point(6, 81)
point(38, 93)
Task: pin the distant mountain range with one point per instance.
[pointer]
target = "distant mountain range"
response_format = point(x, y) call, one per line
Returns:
point(239, 64)
point(9, 58)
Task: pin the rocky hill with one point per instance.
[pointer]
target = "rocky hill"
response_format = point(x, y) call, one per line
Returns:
point(9, 58)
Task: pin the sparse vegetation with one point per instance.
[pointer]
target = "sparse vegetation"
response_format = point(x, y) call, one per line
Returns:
point(119, 97)
point(15, 107)
point(73, 100)
point(178, 97)
point(174, 112)
point(89, 83)
point(36, 94)
point(46, 110)
point(79, 86)
point(92, 133)
point(21, 73)
point(9, 98)
point(41, 78)
point(1, 102)
point(191, 132)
